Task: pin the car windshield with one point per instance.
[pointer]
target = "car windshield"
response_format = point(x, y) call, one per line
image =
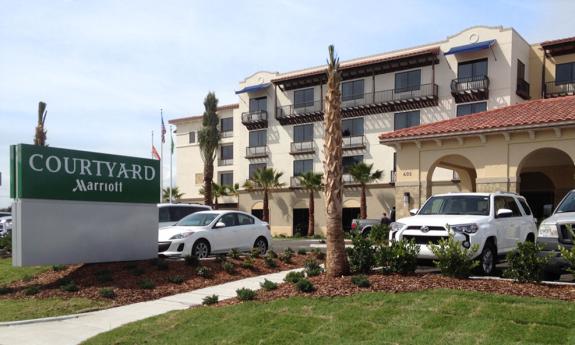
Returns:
point(456, 204)
point(568, 204)
point(197, 219)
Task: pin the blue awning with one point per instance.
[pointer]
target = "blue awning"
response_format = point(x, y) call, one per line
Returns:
point(253, 88)
point(471, 47)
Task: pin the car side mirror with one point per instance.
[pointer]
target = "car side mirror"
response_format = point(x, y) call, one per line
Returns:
point(220, 225)
point(413, 211)
point(547, 210)
point(504, 213)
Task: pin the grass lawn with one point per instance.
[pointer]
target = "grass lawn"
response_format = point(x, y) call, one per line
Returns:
point(9, 274)
point(431, 317)
point(31, 308)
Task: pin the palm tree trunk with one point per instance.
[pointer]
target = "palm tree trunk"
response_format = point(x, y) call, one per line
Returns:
point(208, 177)
point(363, 203)
point(311, 216)
point(266, 209)
point(216, 204)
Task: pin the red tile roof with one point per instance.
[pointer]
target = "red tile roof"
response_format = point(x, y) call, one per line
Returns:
point(558, 41)
point(531, 114)
point(196, 117)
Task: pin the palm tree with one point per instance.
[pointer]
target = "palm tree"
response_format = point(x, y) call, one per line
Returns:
point(336, 259)
point(311, 182)
point(176, 194)
point(40, 135)
point(265, 180)
point(361, 172)
point(218, 191)
point(208, 138)
point(235, 191)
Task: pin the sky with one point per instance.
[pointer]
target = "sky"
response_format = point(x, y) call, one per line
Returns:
point(106, 67)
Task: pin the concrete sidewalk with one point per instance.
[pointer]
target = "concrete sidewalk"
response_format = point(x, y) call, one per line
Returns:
point(73, 329)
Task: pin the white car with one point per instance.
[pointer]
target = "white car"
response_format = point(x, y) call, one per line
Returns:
point(5, 225)
point(211, 232)
point(170, 214)
point(495, 222)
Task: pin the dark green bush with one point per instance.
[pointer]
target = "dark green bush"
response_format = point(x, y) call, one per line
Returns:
point(248, 263)
point(31, 290)
point(104, 276)
point(27, 278)
point(107, 293)
point(162, 265)
point(229, 267)
point(268, 285)
point(146, 284)
point(204, 272)
point(245, 294)
point(398, 257)
point(138, 271)
point(192, 260)
point(312, 268)
point(4, 290)
point(302, 251)
point(362, 255)
point(176, 279)
point(305, 285)
point(453, 259)
point(379, 234)
point(360, 280)
point(234, 254)
point(525, 263)
point(318, 254)
point(209, 300)
point(130, 266)
point(221, 258)
point(255, 253)
point(272, 254)
point(271, 263)
point(6, 243)
point(70, 287)
point(58, 268)
point(294, 277)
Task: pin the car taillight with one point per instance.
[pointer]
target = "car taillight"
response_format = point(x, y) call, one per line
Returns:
point(353, 226)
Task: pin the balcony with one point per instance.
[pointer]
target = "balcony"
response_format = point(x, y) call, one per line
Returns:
point(226, 134)
point(304, 147)
point(255, 119)
point(470, 89)
point(225, 162)
point(347, 179)
point(554, 89)
point(256, 151)
point(522, 89)
point(295, 182)
point(366, 104)
point(354, 142)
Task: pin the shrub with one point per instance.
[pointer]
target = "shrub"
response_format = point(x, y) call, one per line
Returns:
point(312, 268)
point(248, 263)
point(107, 293)
point(5, 290)
point(271, 263)
point(209, 300)
point(204, 272)
point(318, 254)
point(245, 294)
point(379, 234)
point(362, 255)
point(398, 257)
point(31, 290)
point(58, 268)
point(567, 254)
point(27, 278)
point(255, 253)
point(302, 251)
point(192, 260)
point(360, 280)
point(146, 284)
point(234, 254)
point(229, 267)
point(525, 263)
point(176, 279)
point(64, 281)
point(6, 242)
point(221, 258)
point(138, 271)
point(272, 254)
point(453, 259)
point(294, 277)
point(287, 255)
point(289, 252)
point(162, 265)
point(268, 285)
point(70, 287)
point(304, 285)
point(104, 276)
point(130, 266)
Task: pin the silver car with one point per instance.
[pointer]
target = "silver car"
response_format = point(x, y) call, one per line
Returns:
point(5, 225)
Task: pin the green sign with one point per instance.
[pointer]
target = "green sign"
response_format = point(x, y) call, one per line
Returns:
point(59, 174)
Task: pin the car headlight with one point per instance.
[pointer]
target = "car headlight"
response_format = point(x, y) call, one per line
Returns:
point(548, 230)
point(181, 235)
point(395, 226)
point(466, 228)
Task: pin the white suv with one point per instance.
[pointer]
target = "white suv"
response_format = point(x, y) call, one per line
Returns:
point(496, 222)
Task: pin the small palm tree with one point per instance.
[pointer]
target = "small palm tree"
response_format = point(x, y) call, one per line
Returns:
point(40, 135)
point(218, 191)
point(176, 194)
point(311, 182)
point(235, 191)
point(361, 172)
point(265, 180)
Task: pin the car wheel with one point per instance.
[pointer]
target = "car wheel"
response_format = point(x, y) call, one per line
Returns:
point(487, 258)
point(201, 249)
point(365, 232)
point(262, 245)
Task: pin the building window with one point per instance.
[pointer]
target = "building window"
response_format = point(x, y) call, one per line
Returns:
point(407, 81)
point(226, 152)
point(258, 138)
point(406, 119)
point(349, 161)
point(258, 104)
point(565, 73)
point(227, 179)
point(303, 98)
point(471, 108)
point(302, 166)
point(520, 70)
point(227, 124)
point(199, 179)
point(352, 127)
point(472, 70)
point(303, 133)
point(351, 90)
point(256, 167)
point(192, 137)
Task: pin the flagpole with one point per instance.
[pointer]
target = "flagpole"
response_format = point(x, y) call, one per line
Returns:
point(152, 144)
point(161, 159)
point(171, 158)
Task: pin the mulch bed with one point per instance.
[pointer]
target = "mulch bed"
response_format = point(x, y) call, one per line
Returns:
point(126, 283)
point(395, 283)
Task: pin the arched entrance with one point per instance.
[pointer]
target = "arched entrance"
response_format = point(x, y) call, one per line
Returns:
point(544, 176)
point(458, 168)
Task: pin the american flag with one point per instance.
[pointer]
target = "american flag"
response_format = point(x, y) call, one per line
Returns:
point(155, 153)
point(163, 130)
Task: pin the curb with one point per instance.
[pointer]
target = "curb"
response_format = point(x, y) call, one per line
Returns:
point(44, 319)
point(511, 280)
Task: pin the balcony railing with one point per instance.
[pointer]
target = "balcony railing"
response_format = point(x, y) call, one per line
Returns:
point(302, 147)
point(368, 103)
point(354, 142)
point(522, 88)
point(226, 134)
point(470, 89)
point(295, 182)
point(348, 179)
point(256, 151)
point(559, 89)
point(255, 119)
point(225, 162)
point(393, 176)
